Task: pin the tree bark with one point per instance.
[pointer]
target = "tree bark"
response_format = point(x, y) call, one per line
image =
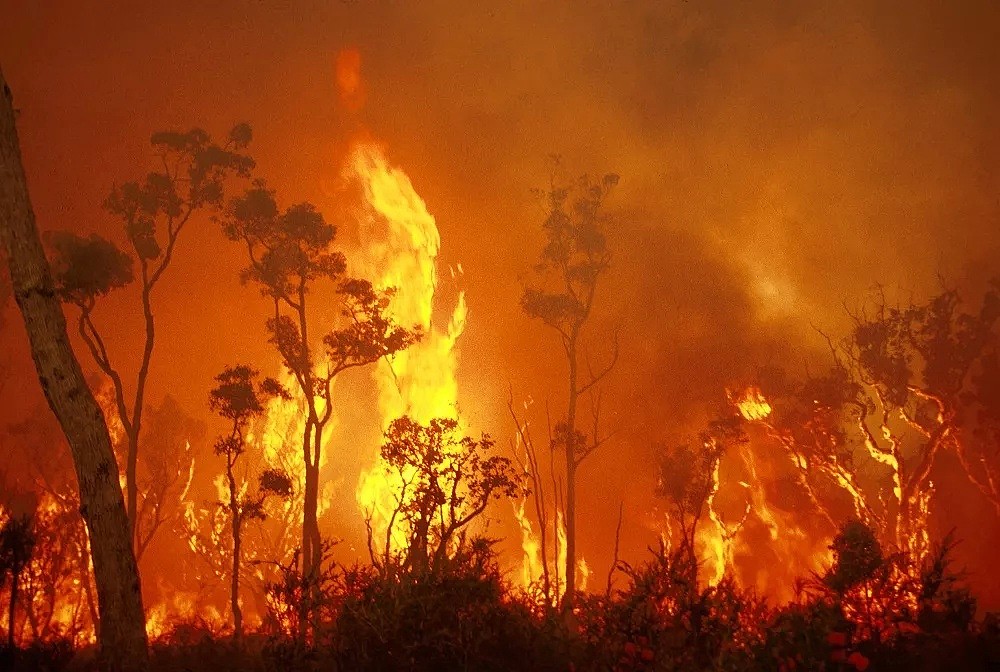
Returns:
point(122, 638)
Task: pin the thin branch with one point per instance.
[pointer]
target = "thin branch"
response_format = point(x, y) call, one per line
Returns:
point(614, 561)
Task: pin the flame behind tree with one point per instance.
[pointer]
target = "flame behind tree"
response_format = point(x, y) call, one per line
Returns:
point(290, 252)
point(447, 483)
point(689, 481)
point(906, 385)
point(17, 543)
point(913, 366)
point(166, 468)
point(59, 580)
point(401, 243)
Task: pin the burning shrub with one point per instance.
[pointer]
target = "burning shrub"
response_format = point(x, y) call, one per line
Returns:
point(445, 483)
point(886, 597)
point(857, 557)
point(664, 620)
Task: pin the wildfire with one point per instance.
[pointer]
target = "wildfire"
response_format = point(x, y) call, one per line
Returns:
point(719, 539)
point(531, 562)
point(178, 607)
point(752, 405)
point(540, 571)
point(402, 243)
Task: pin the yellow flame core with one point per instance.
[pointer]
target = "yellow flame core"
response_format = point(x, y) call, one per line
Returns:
point(402, 242)
point(531, 562)
point(752, 405)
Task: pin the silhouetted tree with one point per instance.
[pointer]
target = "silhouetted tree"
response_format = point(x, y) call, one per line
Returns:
point(240, 397)
point(812, 420)
point(289, 253)
point(857, 555)
point(122, 635)
point(689, 480)
point(447, 482)
point(573, 260)
point(154, 212)
point(907, 383)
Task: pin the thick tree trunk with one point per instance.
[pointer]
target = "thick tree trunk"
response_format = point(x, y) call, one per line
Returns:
point(122, 633)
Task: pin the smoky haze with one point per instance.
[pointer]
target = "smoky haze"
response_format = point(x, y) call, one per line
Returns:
point(776, 161)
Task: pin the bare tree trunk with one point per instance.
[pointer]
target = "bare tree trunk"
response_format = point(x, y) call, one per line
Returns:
point(571, 464)
point(131, 488)
point(132, 461)
point(317, 539)
point(122, 634)
point(310, 532)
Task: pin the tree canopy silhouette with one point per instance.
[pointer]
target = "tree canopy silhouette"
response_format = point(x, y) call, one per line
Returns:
point(290, 253)
point(573, 259)
point(153, 213)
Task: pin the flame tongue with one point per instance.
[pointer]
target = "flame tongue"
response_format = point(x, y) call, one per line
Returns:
point(402, 241)
point(752, 405)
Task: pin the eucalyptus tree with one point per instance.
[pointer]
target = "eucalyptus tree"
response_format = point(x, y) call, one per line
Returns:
point(291, 257)
point(153, 212)
point(574, 259)
point(122, 633)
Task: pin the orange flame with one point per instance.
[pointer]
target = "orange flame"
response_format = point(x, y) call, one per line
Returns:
point(752, 405)
point(402, 243)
